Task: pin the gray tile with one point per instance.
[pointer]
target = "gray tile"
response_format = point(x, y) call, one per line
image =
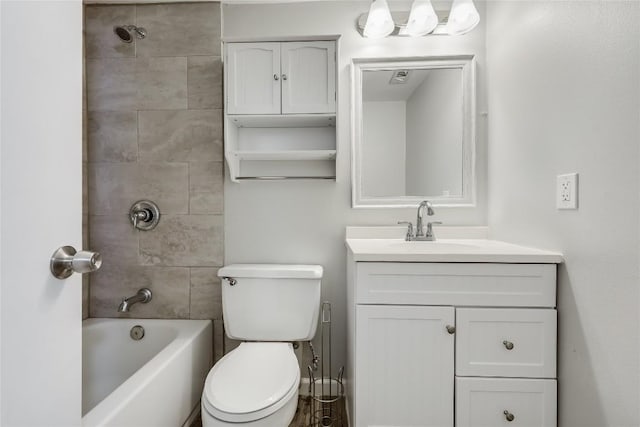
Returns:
point(161, 83)
point(204, 82)
point(184, 240)
point(206, 182)
point(85, 189)
point(206, 294)
point(218, 340)
point(179, 29)
point(206, 203)
point(113, 136)
point(115, 238)
point(100, 40)
point(170, 288)
point(114, 187)
point(85, 296)
point(230, 344)
point(111, 84)
point(189, 135)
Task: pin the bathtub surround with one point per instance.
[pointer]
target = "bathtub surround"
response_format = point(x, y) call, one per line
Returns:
point(154, 131)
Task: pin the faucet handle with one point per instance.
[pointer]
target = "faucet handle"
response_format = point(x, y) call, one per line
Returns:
point(429, 235)
point(409, 225)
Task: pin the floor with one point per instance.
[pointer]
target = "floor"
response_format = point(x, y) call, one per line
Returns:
point(303, 415)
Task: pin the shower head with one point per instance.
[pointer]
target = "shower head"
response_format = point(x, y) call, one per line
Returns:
point(126, 32)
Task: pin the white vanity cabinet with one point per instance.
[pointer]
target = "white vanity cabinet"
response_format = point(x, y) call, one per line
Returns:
point(280, 115)
point(428, 340)
point(281, 77)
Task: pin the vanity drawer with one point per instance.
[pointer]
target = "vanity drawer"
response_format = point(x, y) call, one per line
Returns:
point(506, 342)
point(492, 402)
point(460, 284)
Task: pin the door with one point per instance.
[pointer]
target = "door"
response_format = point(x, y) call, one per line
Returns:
point(404, 366)
point(40, 210)
point(253, 78)
point(308, 77)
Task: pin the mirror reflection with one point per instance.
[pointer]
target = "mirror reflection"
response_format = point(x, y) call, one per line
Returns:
point(413, 131)
point(412, 123)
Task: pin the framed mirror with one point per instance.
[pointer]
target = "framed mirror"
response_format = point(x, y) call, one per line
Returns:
point(413, 131)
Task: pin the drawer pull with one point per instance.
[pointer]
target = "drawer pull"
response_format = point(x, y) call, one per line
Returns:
point(451, 329)
point(508, 345)
point(509, 416)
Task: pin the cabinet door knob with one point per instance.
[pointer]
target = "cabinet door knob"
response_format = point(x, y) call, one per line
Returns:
point(284, 77)
point(509, 416)
point(275, 77)
point(451, 329)
point(508, 345)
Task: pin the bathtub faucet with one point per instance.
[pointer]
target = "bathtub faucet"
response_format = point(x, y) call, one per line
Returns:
point(143, 296)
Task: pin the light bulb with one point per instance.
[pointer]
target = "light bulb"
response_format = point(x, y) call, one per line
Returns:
point(422, 18)
point(379, 22)
point(463, 17)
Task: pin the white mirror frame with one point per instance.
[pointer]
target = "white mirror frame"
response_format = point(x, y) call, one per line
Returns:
point(466, 63)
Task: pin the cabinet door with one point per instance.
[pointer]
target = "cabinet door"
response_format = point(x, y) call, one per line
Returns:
point(308, 77)
point(404, 366)
point(253, 78)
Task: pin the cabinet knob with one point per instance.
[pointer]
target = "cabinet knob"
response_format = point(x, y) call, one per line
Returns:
point(275, 77)
point(284, 77)
point(451, 329)
point(508, 345)
point(509, 416)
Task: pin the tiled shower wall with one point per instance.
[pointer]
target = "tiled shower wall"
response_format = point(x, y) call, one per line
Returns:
point(154, 131)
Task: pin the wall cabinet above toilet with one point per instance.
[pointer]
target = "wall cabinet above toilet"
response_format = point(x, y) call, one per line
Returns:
point(280, 109)
point(281, 78)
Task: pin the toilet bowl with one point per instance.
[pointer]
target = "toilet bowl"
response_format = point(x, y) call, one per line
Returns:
point(268, 306)
point(254, 385)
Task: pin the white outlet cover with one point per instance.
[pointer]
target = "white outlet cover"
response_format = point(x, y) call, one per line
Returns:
point(567, 191)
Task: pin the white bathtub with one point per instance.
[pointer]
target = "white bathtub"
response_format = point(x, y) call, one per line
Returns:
point(155, 382)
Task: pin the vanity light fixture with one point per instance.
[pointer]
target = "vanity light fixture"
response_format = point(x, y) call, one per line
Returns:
point(379, 22)
point(463, 17)
point(422, 19)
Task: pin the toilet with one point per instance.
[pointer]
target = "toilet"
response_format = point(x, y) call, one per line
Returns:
point(267, 306)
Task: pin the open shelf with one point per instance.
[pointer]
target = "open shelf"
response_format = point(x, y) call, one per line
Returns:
point(271, 147)
point(283, 121)
point(285, 155)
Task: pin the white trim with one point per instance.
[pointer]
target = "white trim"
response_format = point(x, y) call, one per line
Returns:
point(464, 62)
point(323, 38)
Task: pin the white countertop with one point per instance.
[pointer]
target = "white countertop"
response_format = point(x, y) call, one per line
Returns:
point(396, 249)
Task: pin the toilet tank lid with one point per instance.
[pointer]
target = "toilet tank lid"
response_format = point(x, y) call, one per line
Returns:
point(272, 271)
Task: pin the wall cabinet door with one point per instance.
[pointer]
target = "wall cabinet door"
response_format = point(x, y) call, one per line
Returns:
point(404, 366)
point(253, 78)
point(308, 77)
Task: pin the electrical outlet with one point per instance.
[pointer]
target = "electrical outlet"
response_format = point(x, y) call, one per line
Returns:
point(567, 191)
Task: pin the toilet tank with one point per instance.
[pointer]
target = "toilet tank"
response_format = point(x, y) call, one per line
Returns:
point(270, 302)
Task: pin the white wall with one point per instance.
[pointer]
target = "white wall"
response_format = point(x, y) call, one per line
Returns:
point(383, 164)
point(434, 135)
point(304, 221)
point(564, 86)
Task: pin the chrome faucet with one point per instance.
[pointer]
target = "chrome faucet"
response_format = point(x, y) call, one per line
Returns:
point(143, 296)
point(420, 234)
point(419, 229)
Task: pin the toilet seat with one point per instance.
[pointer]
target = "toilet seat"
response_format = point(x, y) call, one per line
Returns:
point(251, 382)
